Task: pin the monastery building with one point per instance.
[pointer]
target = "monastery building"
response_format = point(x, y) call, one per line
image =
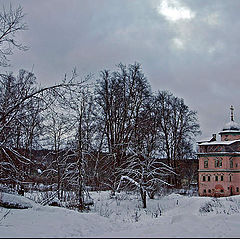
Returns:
point(219, 162)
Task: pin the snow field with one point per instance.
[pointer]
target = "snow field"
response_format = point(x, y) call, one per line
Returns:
point(165, 217)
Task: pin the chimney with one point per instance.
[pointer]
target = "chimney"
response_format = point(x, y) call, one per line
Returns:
point(214, 137)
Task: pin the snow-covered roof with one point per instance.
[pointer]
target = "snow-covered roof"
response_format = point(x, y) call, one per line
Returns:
point(229, 131)
point(231, 126)
point(219, 143)
point(217, 153)
point(203, 140)
point(213, 138)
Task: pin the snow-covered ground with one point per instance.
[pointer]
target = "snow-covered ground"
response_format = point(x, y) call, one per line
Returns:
point(172, 216)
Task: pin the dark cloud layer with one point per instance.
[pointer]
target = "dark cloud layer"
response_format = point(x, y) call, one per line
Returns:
point(196, 59)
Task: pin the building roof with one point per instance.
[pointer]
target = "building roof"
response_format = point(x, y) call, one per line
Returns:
point(218, 153)
point(213, 138)
point(229, 131)
point(231, 126)
point(218, 143)
point(202, 141)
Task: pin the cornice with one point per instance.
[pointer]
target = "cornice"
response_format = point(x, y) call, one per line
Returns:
point(219, 154)
point(219, 170)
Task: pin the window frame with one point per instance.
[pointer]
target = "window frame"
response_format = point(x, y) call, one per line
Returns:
point(205, 163)
point(231, 163)
point(218, 162)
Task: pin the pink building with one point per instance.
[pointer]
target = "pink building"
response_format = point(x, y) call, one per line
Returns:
point(219, 162)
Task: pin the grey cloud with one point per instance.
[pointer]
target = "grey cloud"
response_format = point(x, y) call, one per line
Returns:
point(97, 34)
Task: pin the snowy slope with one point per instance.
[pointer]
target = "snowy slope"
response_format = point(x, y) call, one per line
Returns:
point(44, 221)
point(180, 217)
point(15, 201)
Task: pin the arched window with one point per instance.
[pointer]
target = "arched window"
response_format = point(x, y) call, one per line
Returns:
point(231, 163)
point(205, 163)
point(218, 162)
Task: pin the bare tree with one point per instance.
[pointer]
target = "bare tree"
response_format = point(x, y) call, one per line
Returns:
point(144, 173)
point(120, 96)
point(77, 107)
point(18, 96)
point(80, 105)
point(13, 134)
point(57, 129)
point(177, 125)
point(11, 23)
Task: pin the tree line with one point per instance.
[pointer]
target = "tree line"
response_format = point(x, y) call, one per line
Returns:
point(108, 133)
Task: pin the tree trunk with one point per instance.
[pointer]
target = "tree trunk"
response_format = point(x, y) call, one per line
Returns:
point(80, 161)
point(144, 197)
point(151, 194)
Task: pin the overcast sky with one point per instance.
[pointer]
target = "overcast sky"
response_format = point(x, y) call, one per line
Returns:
point(191, 48)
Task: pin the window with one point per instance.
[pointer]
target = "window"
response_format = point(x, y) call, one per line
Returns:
point(218, 162)
point(209, 190)
point(209, 178)
point(204, 191)
point(205, 163)
point(221, 190)
point(230, 178)
point(231, 163)
point(216, 178)
point(221, 178)
point(204, 178)
point(237, 189)
point(236, 165)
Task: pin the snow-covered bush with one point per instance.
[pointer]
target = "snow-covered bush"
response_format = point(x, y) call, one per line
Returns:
point(207, 207)
point(226, 205)
point(42, 197)
point(105, 211)
point(137, 215)
point(5, 188)
point(14, 201)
